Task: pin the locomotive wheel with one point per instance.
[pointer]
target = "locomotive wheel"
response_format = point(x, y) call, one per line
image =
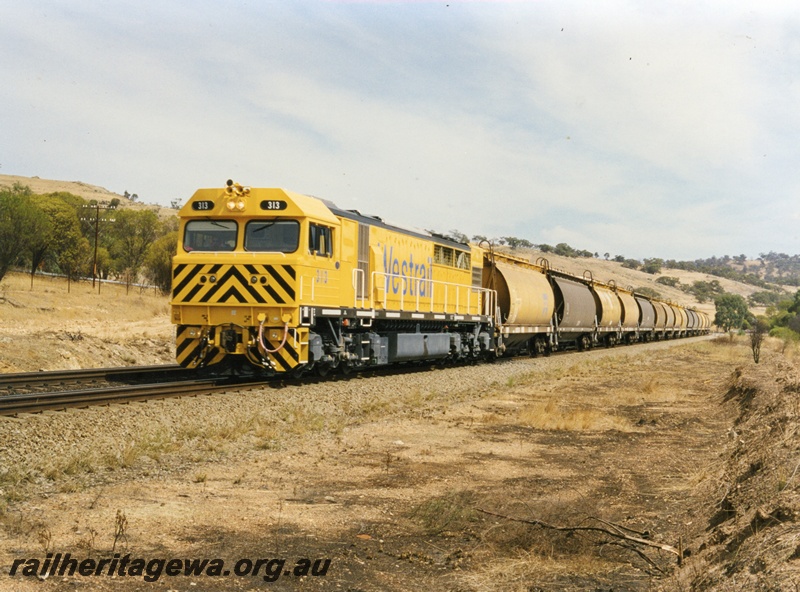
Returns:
point(585, 343)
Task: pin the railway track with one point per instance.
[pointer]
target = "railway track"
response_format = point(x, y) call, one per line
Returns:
point(28, 380)
point(154, 387)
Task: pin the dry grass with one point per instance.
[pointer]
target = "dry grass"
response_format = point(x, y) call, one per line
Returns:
point(558, 415)
point(49, 328)
point(525, 571)
point(49, 303)
point(451, 512)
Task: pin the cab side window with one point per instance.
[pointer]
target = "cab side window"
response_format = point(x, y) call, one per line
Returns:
point(320, 240)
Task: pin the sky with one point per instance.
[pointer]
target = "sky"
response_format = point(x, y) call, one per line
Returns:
point(645, 129)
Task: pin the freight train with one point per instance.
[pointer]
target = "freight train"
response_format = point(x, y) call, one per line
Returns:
point(286, 283)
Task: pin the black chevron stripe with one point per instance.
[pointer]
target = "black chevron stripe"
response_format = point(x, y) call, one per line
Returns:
point(208, 296)
point(222, 281)
point(245, 283)
point(281, 362)
point(277, 277)
point(274, 274)
point(190, 296)
point(294, 355)
point(182, 345)
point(275, 296)
point(191, 356)
point(252, 289)
point(256, 292)
point(189, 277)
point(232, 293)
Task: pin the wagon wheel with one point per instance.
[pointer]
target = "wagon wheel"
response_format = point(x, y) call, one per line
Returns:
point(584, 343)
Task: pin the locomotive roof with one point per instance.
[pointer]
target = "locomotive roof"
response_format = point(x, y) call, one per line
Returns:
point(377, 221)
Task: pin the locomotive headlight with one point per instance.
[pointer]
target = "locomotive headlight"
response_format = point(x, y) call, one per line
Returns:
point(237, 205)
point(253, 280)
point(240, 205)
point(213, 279)
point(231, 205)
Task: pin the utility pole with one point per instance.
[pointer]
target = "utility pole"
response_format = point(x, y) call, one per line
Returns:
point(97, 207)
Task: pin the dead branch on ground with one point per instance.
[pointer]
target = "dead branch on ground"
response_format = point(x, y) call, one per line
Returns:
point(616, 531)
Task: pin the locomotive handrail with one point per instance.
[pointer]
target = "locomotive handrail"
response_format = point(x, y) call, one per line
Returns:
point(379, 281)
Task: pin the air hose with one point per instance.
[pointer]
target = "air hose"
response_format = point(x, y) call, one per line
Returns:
point(261, 344)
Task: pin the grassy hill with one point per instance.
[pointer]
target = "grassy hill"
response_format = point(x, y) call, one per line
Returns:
point(81, 189)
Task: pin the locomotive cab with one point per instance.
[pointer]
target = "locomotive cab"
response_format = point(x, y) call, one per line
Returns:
point(242, 266)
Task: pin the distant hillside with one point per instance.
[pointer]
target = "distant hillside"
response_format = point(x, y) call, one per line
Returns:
point(769, 272)
point(81, 189)
point(625, 277)
point(769, 268)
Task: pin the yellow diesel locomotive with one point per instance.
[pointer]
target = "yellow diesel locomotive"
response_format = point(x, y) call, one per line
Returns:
point(291, 283)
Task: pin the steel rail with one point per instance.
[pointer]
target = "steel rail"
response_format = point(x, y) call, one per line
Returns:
point(51, 376)
point(37, 402)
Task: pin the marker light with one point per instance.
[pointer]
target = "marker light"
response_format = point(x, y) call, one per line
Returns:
point(236, 204)
point(236, 193)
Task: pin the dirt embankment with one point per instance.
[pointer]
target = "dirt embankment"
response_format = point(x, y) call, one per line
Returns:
point(751, 534)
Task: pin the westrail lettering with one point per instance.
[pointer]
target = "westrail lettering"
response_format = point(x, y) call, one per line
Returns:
point(407, 276)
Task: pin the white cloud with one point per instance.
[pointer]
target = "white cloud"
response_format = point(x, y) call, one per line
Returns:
point(651, 130)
